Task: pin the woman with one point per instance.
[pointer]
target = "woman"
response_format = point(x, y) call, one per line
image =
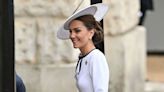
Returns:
point(92, 73)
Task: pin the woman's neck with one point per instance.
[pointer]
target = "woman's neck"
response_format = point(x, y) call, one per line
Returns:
point(85, 50)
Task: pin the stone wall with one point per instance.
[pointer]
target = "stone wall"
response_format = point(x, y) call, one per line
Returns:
point(45, 63)
point(36, 23)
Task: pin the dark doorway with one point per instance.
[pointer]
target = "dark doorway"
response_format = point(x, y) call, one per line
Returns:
point(7, 46)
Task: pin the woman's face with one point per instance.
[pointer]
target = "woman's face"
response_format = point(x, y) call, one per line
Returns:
point(79, 34)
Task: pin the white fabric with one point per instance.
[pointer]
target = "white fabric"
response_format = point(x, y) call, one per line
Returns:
point(94, 73)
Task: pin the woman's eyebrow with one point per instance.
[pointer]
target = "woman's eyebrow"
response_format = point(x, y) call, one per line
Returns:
point(75, 28)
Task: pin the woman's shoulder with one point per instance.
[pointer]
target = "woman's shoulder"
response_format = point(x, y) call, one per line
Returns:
point(97, 58)
point(95, 54)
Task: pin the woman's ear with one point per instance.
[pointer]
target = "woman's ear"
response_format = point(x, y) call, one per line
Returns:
point(92, 32)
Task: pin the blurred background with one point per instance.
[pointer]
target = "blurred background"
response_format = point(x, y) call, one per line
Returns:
point(135, 53)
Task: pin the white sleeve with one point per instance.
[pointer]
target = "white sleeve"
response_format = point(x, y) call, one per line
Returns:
point(99, 73)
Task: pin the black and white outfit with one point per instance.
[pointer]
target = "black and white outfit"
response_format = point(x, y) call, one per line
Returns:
point(92, 72)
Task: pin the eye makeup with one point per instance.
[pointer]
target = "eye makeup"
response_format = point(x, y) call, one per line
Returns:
point(76, 30)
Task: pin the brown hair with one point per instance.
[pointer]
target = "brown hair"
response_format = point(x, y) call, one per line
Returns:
point(90, 22)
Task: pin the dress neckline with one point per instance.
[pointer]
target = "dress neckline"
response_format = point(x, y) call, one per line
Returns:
point(82, 56)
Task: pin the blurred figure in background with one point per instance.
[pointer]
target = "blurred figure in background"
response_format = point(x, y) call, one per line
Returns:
point(20, 87)
point(144, 6)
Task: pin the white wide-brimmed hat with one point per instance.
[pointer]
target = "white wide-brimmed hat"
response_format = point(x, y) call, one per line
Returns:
point(97, 10)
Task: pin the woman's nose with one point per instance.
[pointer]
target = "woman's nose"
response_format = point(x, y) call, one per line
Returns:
point(72, 35)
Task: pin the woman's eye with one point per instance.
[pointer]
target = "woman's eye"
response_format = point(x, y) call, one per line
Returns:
point(77, 30)
point(70, 31)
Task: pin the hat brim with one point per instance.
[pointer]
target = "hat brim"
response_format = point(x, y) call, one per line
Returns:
point(97, 10)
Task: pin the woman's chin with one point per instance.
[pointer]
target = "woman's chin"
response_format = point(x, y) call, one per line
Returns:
point(75, 46)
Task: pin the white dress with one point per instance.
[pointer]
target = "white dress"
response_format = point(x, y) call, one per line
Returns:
point(92, 72)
